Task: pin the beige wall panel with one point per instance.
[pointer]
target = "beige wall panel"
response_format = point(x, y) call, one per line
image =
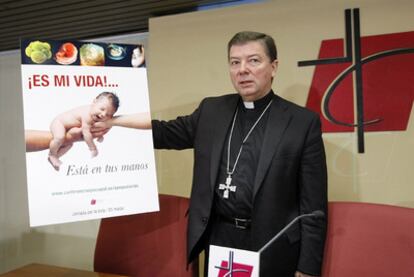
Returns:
point(188, 63)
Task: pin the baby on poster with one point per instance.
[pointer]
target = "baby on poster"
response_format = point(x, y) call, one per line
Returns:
point(80, 119)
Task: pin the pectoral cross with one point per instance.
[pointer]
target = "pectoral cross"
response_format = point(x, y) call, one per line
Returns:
point(226, 187)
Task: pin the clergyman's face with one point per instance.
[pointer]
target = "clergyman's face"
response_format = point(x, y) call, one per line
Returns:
point(251, 70)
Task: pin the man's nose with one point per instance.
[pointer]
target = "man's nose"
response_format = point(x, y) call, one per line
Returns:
point(243, 67)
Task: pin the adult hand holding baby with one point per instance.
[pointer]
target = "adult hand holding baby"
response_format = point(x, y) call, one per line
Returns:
point(38, 140)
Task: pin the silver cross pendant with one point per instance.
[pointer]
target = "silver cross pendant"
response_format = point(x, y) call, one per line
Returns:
point(227, 187)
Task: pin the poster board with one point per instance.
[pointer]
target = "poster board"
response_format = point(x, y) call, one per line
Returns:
point(61, 81)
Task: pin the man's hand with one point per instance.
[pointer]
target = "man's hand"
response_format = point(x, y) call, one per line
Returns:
point(300, 274)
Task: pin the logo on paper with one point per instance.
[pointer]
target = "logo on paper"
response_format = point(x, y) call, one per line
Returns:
point(363, 83)
point(231, 269)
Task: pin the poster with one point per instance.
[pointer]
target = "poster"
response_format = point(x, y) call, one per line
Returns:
point(67, 87)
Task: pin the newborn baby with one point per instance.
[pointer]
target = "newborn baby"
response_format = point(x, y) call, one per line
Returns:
point(81, 118)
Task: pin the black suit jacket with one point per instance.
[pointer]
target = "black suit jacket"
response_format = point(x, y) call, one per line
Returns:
point(291, 179)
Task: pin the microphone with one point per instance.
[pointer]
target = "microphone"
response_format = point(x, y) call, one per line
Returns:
point(315, 214)
point(318, 214)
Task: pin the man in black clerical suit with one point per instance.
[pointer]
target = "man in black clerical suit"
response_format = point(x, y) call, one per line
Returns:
point(259, 162)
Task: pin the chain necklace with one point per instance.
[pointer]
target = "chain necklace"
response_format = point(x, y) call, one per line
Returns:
point(227, 186)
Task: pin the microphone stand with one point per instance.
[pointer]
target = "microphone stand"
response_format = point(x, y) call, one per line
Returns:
point(313, 214)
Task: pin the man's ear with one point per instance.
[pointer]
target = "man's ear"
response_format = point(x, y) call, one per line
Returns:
point(274, 65)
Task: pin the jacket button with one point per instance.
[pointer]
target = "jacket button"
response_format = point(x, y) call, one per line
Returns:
point(204, 220)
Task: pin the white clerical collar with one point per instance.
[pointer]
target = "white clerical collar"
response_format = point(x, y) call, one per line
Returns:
point(248, 105)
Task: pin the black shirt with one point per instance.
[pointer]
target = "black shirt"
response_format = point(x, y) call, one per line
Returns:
point(239, 204)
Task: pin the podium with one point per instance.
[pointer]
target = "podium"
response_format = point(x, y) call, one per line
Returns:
point(232, 262)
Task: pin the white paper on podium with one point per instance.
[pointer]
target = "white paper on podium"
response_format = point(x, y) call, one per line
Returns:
point(240, 263)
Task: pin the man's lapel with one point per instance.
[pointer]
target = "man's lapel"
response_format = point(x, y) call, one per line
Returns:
point(276, 124)
point(224, 115)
